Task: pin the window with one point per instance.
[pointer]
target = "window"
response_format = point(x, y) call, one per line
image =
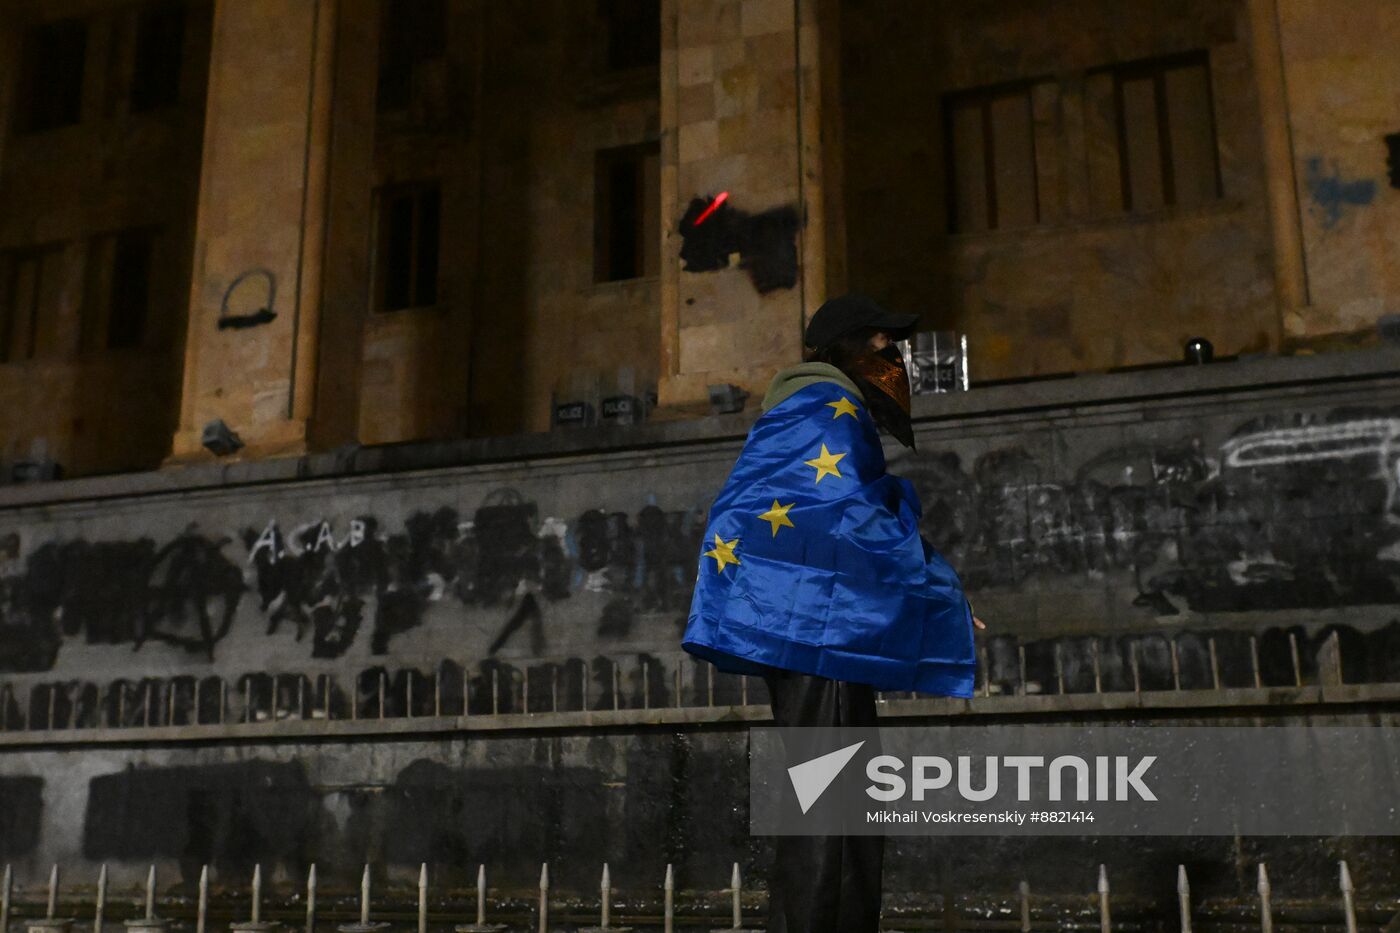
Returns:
point(116, 312)
point(155, 76)
point(990, 152)
point(28, 295)
point(1166, 132)
point(51, 88)
point(410, 31)
point(407, 256)
point(633, 33)
point(626, 225)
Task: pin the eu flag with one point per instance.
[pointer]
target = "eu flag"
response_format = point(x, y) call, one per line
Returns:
point(813, 562)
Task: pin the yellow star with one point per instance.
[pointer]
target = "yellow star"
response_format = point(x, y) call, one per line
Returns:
point(723, 553)
point(777, 516)
point(825, 464)
point(843, 407)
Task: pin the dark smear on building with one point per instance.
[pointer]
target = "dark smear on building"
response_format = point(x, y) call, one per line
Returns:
point(766, 242)
point(232, 816)
point(21, 814)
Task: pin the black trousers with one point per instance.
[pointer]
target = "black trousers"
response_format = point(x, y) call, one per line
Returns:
point(823, 884)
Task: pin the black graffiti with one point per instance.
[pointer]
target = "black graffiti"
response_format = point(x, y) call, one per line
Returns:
point(1291, 525)
point(21, 814)
point(503, 556)
point(766, 242)
point(124, 592)
point(229, 815)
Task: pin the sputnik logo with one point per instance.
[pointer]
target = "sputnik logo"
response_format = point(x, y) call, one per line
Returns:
point(811, 778)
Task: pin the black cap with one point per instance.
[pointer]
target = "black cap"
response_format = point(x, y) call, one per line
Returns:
point(840, 316)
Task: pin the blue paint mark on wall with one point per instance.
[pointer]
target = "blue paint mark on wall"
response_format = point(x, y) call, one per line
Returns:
point(1331, 194)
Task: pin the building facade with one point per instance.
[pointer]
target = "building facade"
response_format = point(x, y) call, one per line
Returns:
point(440, 267)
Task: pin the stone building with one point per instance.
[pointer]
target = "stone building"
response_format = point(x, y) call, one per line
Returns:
point(333, 224)
point(412, 254)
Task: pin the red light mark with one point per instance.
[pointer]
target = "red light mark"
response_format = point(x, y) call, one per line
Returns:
point(719, 199)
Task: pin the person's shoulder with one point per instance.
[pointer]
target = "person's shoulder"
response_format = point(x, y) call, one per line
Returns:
point(791, 381)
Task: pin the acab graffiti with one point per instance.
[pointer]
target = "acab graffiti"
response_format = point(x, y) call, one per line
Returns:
point(327, 584)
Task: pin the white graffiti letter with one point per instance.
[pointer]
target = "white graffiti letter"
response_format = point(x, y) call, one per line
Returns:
point(268, 539)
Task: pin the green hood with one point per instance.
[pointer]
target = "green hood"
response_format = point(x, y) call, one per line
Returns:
point(788, 381)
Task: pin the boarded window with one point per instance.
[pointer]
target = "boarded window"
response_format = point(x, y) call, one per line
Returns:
point(991, 159)
point(1166, 132)
point(406, 274)
point(626, 224)
point(410, 32)
point(632, 33)
point(29, 282)
point(51, 78)
point(155, 75)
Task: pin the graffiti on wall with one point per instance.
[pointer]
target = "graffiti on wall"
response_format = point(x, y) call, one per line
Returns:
point(333, 586)
point(1332, 194)
point(185, 592)
point(1286, 513)
point(712, 230)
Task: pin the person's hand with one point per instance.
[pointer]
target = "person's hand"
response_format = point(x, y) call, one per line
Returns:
point(978, 622)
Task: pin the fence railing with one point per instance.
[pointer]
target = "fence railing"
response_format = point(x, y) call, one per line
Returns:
point(1086, 673)
point(496, 913)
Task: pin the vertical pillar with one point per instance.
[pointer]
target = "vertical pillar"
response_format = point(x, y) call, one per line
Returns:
point(9, 68)
point(741, 112)
point(261, 225)
point(1290, 270)
point(345, 304)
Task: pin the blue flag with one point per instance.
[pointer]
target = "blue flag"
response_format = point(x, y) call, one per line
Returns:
point(813, 562)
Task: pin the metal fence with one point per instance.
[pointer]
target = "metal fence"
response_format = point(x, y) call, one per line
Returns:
point(498, 914)
point(1047, 675)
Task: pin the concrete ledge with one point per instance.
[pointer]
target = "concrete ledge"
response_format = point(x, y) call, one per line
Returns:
point(1046, 395)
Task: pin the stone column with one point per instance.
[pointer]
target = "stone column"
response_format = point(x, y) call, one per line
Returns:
point(741, 106)
point(1290, 271)
point(251, 339)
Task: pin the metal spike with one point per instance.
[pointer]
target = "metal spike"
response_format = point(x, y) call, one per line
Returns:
point(544, 894)
point(53, 892)
point(1266, 909)
point(202, 912)
point(1348, 896)
point(669, 913)
point(606, 889)
point(423, 898)
point(1024, 893)
point(364, 897)
point(1183, 897)
point(257, 893)
point(1105, 920)
point(151, 893)
point(5, 886)
point(101, 907)
point(311, 899)
point(481, 895)
point(735, 885)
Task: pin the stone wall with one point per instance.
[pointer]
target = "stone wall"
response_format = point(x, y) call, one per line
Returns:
point(1253, 497)
point(1242, 508)
point(1089, 286)
point(1341, 105)
point(87, 406)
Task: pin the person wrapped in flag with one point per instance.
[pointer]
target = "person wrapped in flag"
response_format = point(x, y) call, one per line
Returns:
point(814, 576)
point(812, 558)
